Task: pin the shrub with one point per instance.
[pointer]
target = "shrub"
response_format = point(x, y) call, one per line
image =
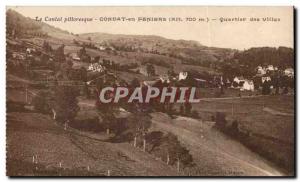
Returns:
point(41, 102)
point(221, 120)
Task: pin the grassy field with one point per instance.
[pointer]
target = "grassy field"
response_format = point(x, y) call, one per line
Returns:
point(268, 119)
point(214, 153)
point(33, 134)
point(251, 114)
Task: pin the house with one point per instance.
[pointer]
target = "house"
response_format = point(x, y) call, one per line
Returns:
point(150, 83)
point(265, 78)
point(270, 68)
point(243, 84)
point(30, 50)
point(239, 79)
point(164, 78)
point(201, 82)
point(96, 67)
point(248, 85)
point(18, 56)
point(289, 72)
point(111, 48)
point(182, 75)
point(75, 56)
point(194, 78)
point(143, 70)
point(261, 70)
point(100, 47)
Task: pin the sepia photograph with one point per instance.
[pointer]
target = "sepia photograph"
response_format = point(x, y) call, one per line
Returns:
point(150, 91)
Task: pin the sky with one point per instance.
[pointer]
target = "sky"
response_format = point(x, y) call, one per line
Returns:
point(214, 33)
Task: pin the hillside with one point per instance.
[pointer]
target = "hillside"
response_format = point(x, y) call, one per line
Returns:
point(54, 78)
point(185, 50)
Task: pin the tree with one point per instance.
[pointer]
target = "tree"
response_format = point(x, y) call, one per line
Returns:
point(47, 47)
point(65, 103)
point(59, 54)
point(155, 139)
point(139, 124)
point(82, 74)
point(171, 72)
point(106, 110)
point(135, 83)
point(175, 152)
point(150, 70)
point(221, 120)
point(266, 90)
point(41, 102)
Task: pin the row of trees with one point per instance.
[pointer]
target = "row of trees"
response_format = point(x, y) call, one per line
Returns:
point(62, 101)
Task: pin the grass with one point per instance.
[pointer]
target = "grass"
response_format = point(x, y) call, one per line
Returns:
point(272, 135)
point(31, 134)
point(214, 153)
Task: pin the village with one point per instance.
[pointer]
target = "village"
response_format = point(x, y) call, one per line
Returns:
point(244, 103)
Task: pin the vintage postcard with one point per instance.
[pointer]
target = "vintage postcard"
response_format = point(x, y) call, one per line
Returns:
point(201, 91)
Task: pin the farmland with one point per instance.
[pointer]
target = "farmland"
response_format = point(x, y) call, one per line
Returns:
point(56, 125)
point(27, 129)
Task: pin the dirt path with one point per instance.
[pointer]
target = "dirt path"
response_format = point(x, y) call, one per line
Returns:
point(274, 112)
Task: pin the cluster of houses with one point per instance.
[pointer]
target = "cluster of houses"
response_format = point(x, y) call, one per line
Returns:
point(96, 67)
point(264, 74)
point(239, 82)
point(104, 47)
point(262, 71)
point(243, 84)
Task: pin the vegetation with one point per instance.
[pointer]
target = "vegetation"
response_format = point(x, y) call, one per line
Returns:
point(41, 102)
point(19, 26)
point(170, 150)
point(65, 103)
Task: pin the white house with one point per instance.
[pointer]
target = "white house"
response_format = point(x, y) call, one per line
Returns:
point(261, 70)
point(30, 50)
point(164, 78)
point(238, 79)
point(289, 72)
point(96, 67)
point(244, 84)
point(248, 85)
point(75, 56)
point(265, 78)
point(143, 70)
point(100, 47)
point(182, 75)
point(270, 68)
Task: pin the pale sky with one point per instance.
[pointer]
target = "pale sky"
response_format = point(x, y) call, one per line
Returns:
point(237, 35)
